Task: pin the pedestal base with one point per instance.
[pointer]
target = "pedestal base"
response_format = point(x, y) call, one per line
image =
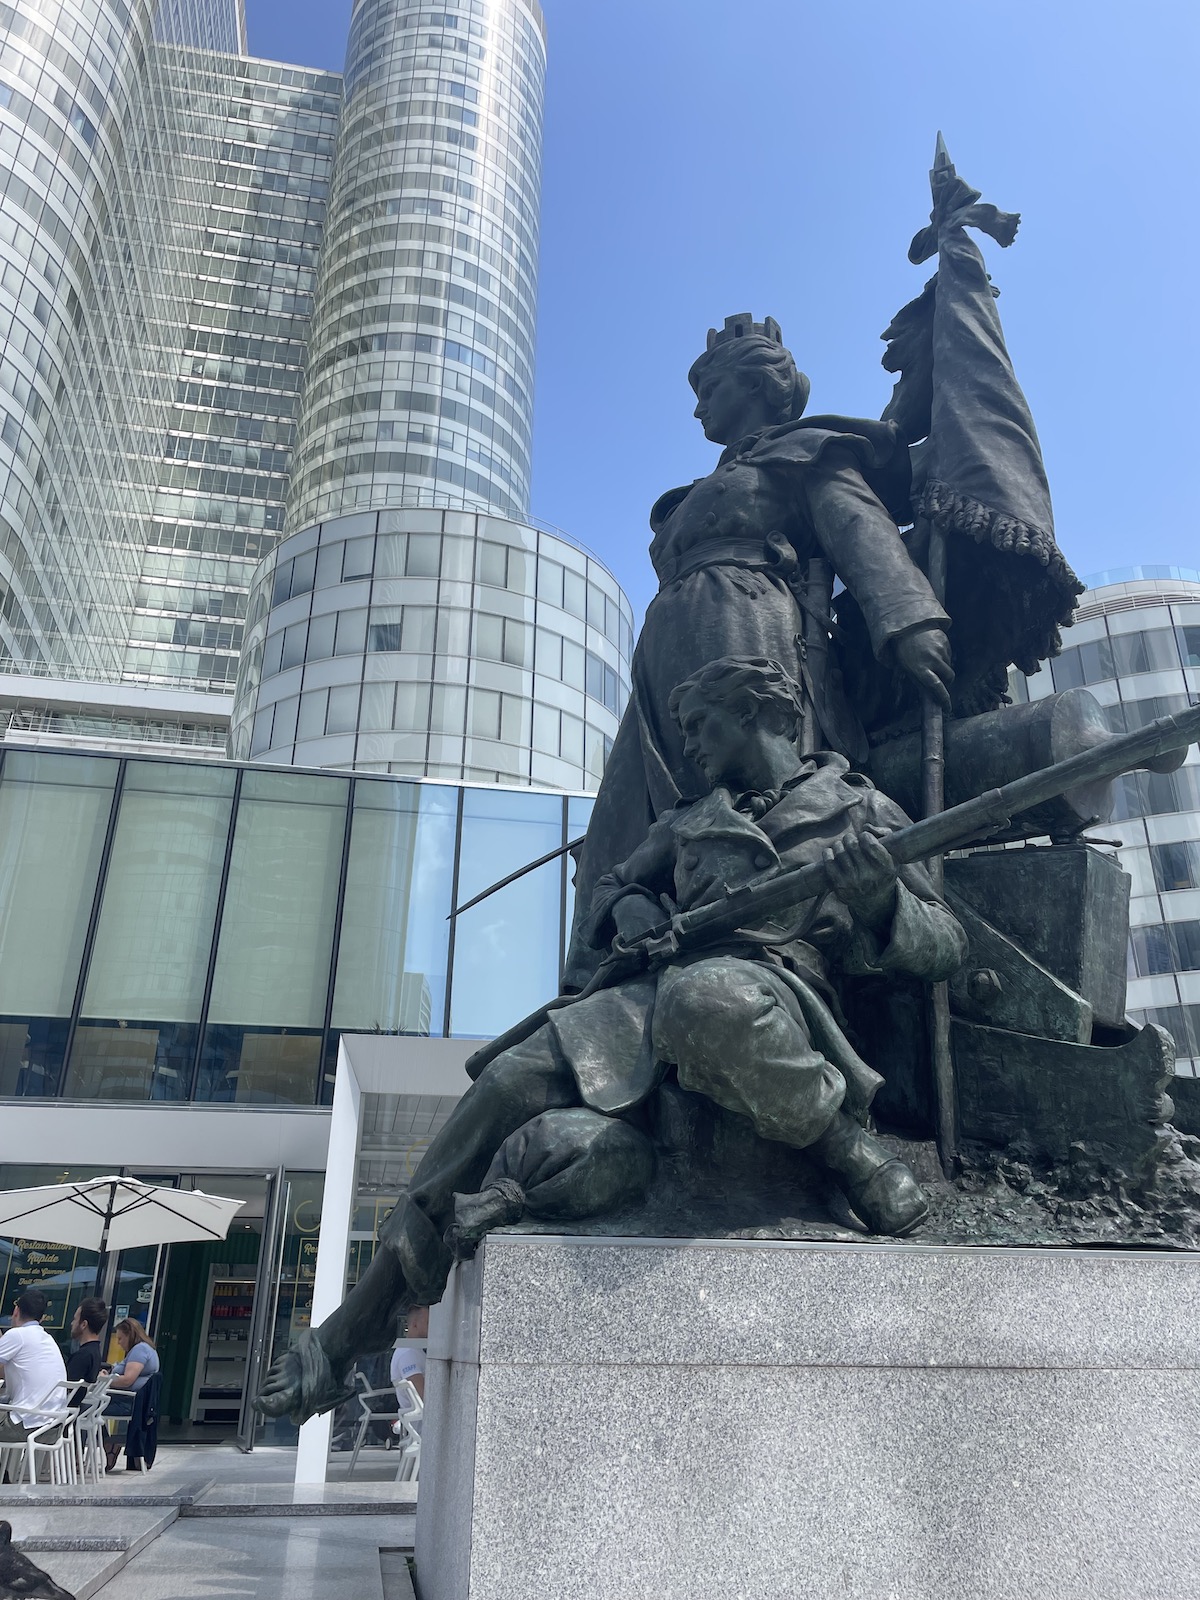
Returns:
point(657, 1420)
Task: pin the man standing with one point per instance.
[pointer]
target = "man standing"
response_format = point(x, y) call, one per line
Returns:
point(33, 1371)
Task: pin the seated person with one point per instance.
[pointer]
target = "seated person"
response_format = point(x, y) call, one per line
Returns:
point(133, 1373)
point(550, 1130)
point(85, 1361)
point(408, 1363)
point(32, 1367)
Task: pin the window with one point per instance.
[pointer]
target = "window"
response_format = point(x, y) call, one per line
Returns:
point(1151, 951)
point(418, 629)
point(351, 636)
point(54, 813)
point(1152, 651)
point(424, 555)
point(1153, 794)
point(1083, 663)
point(271, 979)
point(507, 948)
point(391, 975)
point(137, 1032)
point(493, 564)
point(384, 636)
point(359, 555)
point(342, 716)
point(485, 714)
point(1176, 866)
point(294, 639)
point(320, 637)
point(378, 700)
point(1188, 639)
point(1187, 945)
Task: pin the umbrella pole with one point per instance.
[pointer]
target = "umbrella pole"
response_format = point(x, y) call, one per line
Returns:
point(100, 1260)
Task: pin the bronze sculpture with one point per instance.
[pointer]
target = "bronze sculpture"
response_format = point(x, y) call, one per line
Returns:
point(788, 1076)
point(555, 1128)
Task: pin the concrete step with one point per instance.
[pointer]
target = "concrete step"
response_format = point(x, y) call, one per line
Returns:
point(84, 1548)
point(304, 1500)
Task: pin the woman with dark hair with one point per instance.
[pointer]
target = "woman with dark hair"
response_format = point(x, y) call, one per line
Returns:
point(133, 1373)
point(731, 552)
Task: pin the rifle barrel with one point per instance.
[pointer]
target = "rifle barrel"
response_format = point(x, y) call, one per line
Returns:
point(947, 830)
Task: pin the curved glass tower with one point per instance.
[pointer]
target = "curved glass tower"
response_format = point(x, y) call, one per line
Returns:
point(419, 388)
point(160, 209)
point(414, 620)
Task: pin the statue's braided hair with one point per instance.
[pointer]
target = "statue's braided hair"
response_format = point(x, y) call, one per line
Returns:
point(746, 680)
point(786, 387)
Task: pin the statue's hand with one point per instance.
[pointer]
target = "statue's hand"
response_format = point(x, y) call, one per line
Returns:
point(863, 876)
point(925, 655)
point(302, 1382)
point(636, 914)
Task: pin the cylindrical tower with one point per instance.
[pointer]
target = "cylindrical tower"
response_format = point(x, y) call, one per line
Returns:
point(446, 644)
point(419, 387)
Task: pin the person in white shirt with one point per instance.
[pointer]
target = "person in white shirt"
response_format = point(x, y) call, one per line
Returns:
point(408, 1362)
point(32, 1367)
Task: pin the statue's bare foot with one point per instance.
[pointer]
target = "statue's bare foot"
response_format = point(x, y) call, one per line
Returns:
point(302, 1382)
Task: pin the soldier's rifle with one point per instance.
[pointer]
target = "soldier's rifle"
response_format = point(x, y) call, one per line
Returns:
point(968, 823)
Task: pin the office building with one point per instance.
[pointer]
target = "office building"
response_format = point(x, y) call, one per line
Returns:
point(285, 361)
point(181, 385)
point(188, 948)
point(1135, 644)
point(415, 619)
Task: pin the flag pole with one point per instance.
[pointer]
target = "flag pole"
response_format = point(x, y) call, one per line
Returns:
point(933, 784)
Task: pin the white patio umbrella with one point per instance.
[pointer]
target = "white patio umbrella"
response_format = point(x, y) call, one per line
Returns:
point(114, 1214)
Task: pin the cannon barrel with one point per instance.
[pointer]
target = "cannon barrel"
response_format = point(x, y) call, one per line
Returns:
point(989, 751)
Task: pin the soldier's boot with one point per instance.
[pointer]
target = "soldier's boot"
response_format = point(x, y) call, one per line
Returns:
point(497, 1206)
point(880, 1187)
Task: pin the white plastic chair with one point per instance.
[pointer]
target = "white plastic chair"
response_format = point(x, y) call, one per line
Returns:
point(54, 1439)
point(408, 1425)
point(90, 1429)
point(389, 1415)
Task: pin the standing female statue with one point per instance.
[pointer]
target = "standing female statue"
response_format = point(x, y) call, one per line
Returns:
point(731, 552)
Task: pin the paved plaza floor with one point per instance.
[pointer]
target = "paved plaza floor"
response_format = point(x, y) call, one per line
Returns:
point(214, 1523)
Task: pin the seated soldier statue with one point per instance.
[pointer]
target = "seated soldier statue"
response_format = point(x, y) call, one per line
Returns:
point(554, 1129)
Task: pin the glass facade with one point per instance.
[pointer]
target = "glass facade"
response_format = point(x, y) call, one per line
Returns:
point(244, 296)
point(160, 215)
point(1135, 644)
point(440, 643)
point(420, 381)
point(198, 931)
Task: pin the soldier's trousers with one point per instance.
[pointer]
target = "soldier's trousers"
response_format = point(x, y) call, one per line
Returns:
point(736, 1033)
point(522, 1123)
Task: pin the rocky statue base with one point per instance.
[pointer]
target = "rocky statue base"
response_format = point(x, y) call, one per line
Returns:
point(620, 1419)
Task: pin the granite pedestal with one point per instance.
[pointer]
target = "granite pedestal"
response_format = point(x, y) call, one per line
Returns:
point(627, 1419)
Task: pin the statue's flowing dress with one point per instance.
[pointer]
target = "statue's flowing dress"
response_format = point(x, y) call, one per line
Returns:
point(730, 552)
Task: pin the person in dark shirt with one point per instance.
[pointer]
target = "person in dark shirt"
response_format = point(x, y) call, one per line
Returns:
point(83, 1364)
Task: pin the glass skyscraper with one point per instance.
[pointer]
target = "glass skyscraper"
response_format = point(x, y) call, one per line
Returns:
point(419, 389)
point(244, 299)
point(415, 620)
point(159, 227)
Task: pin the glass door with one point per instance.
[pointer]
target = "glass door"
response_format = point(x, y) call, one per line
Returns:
point(262, 1311)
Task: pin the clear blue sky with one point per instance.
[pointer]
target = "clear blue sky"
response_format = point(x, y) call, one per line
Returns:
point(705, 157)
